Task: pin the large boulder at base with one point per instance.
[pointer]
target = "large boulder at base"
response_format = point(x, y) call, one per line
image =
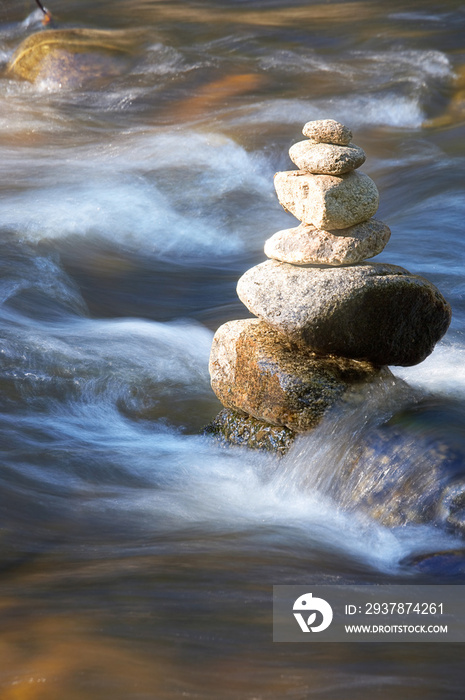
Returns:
point(256, 370)
point(306, 244)
point(231, 427)
point(70, 57)
point(372, 311)
point(327, 131)
point(327, 201)
point(326, 158)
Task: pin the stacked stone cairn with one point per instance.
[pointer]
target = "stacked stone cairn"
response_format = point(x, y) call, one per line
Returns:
point(327, 322)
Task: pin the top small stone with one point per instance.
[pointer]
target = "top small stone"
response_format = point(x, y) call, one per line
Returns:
point(327, 131)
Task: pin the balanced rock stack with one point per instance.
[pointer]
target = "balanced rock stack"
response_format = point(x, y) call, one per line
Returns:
point(327, 322)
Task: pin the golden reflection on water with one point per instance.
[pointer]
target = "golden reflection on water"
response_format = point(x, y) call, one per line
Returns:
point(214, 95)
point(65, 656)
point(284, 16)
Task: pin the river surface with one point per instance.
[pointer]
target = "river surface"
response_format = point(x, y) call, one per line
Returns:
point(137, 557)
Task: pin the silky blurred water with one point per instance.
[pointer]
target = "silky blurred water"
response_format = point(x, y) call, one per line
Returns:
point(137, 558)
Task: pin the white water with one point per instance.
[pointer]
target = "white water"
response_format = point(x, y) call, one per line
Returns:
point(136, 555)
point(164, 193)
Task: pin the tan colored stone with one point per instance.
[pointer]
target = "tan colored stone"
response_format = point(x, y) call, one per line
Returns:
point(70, 57)
point(371, 311)
point(327, 201)
point(327, 131)
point(255, 369)
point(326, 158)
point(306, 244)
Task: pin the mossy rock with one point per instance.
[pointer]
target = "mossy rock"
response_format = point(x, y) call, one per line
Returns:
point(236, 428)
point(70, 57)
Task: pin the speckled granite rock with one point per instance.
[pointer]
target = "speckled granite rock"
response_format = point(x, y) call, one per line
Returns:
point(327, 131)
point(372, 311)
point(232, 427)
point(327, 201)
point(326, 158)
point(306, 244)
point(256, 370)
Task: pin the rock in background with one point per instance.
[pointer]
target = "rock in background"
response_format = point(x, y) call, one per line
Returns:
point(70, 57)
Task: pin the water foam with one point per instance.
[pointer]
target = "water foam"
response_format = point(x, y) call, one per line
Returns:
point(376, 67)
point(441, 372)
point(158, 192)
point(358, 110)
point(236, 491)
point(110, 361)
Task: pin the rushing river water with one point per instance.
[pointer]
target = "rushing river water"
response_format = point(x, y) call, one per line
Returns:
point(138, 557)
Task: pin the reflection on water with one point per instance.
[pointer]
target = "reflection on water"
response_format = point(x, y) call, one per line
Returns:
point(137, 558)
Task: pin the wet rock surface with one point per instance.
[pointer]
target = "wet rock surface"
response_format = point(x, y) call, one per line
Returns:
point(256, 370)
point(70, 57)
point(411, 469)
point(449, 563)
point(231, 427)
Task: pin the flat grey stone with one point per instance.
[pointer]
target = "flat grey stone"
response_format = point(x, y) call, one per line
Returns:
point(326, 158)
point(327, 201)
point(255, 369)
point(371, 311)
point(307, 244)
point(327, 131)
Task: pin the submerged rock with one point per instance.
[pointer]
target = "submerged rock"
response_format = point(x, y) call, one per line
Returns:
point(327, 131)
point(327, 201)
point(372, 311)
point(70, 57)
point(236, 428)
point(411, 469)
point(445, 563)
point(326, 158)
point(307, 244)
point(258, 371)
